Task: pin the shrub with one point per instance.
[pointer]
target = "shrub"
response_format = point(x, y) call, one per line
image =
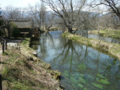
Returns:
point(1, 33)
point(16, 32)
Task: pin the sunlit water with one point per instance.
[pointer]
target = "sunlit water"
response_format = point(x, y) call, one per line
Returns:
point(81, 67)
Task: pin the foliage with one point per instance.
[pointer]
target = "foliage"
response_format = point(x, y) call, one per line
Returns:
point(1, 33)
point(1, 26)
point(1, 23)
point(15, 30)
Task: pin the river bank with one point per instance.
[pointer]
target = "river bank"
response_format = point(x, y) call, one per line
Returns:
point(107, 33)
point(110, 48)
point(21, 70)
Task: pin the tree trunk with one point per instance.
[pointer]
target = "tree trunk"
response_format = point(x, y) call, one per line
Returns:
point(9, 32)
point(119, 17)
point(70, 29)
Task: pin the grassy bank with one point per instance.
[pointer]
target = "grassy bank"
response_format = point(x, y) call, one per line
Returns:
point(107, 33)
point(21, 70)
point(110, 48)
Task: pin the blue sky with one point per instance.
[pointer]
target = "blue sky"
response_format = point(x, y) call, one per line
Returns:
point(17, 3)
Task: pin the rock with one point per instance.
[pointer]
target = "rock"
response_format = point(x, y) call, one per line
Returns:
point(35, 54)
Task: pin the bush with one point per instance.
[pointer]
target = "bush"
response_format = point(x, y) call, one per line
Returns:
point(1, 33)
point(16, 32)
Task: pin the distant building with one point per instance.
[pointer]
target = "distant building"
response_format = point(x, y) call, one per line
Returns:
point(25, 26)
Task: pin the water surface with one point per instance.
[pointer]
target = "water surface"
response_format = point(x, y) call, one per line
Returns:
point(81, 67)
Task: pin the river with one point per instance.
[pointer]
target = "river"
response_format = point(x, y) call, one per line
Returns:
point(81, 67)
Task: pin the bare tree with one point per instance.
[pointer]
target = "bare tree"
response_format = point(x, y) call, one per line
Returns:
point(38, 12)
point(49, 20)
point(11, 12)
point(112, 5)
point(65, 10)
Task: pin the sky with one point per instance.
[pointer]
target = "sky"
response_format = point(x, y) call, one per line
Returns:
point(17, 3)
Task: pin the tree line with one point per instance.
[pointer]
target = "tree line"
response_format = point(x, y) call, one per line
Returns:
point(71, 15)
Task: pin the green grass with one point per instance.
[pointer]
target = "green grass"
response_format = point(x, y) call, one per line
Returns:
point(108, 33)
point(5, 53)
point(25, 41)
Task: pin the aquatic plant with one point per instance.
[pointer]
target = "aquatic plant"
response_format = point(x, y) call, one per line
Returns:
point(80, 85)
point(99, 75)
point(103, 81)
point(90, 76)
point(98, 85)
point(82, 80)
point(73, 79)
point(81, 66)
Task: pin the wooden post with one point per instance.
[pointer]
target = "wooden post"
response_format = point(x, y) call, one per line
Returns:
point(2, 46)
point(6, 44)
point(0, 82)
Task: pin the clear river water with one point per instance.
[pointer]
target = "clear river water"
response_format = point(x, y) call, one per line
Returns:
point(81, 67)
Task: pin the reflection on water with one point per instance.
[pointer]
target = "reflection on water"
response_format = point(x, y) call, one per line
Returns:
point(82, 68)
point(107, 39)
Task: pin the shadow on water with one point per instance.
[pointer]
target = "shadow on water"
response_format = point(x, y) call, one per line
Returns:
point(81, 67)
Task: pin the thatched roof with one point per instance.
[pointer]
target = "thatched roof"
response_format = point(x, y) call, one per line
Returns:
point(22, 23)
point(36, 25)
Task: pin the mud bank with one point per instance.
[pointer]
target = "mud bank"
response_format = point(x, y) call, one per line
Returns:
point(21, 70)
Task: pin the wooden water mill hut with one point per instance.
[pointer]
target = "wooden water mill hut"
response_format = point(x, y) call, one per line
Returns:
point(25, 26)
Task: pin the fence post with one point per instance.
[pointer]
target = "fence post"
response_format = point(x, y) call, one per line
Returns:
point(0, 82)
point(3, 46)
point(6, 44)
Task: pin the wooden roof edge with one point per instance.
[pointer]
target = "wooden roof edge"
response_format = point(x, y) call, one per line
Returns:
point(21, 19)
